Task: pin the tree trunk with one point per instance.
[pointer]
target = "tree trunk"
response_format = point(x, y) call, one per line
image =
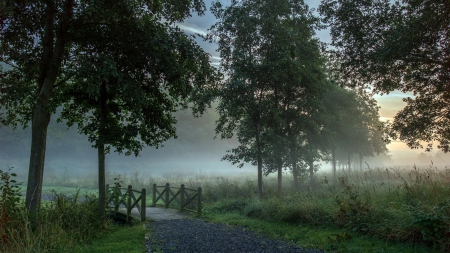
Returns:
point(50, 66)
point(101, 149)
point(333, 158)
point(295, 174)
point(349, 169)
point(40, 121)
point(280, 172)
point(259, 161)
point(311, 172)
point(101, 181)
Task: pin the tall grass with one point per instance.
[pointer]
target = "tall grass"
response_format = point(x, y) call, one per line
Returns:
point(393, 204)
point(62, 223)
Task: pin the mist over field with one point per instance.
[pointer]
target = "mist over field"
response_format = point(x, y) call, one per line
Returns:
point(194, 152)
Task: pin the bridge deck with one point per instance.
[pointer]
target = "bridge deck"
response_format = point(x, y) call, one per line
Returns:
point(158, 213)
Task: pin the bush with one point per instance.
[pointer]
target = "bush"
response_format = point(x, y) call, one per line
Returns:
point(433, 223)
point(9, 204)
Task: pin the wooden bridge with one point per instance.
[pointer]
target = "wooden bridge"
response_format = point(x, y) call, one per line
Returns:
point(124, 203)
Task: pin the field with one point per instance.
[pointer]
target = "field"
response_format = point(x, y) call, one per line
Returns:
point(374, 210)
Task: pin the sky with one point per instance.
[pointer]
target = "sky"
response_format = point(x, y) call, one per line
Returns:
point(390, 104)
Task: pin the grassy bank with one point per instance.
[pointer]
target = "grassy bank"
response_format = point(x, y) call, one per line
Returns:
point(327, 238)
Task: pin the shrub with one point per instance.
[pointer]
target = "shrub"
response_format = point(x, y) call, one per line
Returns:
point(353, 211)
point(62, 222)
point(9, 204)
point(433, 223)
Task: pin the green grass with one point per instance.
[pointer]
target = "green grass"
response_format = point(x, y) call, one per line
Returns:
point(327, 238)
point(122, 239)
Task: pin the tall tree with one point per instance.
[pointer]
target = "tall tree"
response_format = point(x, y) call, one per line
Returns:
point(402, 45)
point(352, 125)
point(274, 69)
point(40, 39)
point(131, 97)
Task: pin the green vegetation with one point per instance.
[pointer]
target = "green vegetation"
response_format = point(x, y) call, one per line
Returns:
point(396, 45)
point(285, 98)
point(332, 239)
point(77, 56)
point(375, 210)
point(119, 239)
point(385, 205)
point(66, 222)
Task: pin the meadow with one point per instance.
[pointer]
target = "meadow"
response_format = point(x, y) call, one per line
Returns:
point(373, 210)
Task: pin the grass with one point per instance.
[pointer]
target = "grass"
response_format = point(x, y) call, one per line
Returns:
point(121, 239)
point(330, 239)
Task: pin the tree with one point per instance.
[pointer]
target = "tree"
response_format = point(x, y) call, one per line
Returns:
point(130, 98)
point(352, 125)
point(41, 39)
point(402, 45)
point(275, 72)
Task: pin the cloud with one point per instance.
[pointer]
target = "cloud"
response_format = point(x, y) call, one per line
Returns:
point(192, 30)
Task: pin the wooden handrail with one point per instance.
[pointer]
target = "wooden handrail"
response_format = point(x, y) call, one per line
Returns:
point(167, 196)
point(131, 200)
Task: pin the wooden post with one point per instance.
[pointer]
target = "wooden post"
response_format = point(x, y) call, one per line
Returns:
point(143, 200)
point(199, 201)
point(166, 201)
point(182, 197)
point(130, 188)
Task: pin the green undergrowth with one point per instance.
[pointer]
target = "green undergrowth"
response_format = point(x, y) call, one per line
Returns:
point(122, 238)
point(398, 207)
point(327, 238)
point(64, 223)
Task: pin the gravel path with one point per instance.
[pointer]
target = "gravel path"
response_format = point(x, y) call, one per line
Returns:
point(195, 235)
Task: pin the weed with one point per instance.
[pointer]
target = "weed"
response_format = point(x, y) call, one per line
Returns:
point(352, 210)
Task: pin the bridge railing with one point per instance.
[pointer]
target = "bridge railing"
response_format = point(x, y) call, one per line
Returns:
point(126, 196)
point(185, 197)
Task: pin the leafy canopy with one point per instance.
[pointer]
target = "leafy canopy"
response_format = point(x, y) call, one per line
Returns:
point(402, 45)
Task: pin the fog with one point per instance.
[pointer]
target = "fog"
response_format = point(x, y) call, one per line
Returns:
point(194, 152)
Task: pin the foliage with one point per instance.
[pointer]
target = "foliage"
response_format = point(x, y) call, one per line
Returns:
point(392, 204)
point(65, 222)
point(433, 223)
point(274, 70)
point(346, 128)
point(9, 204)
point(400, 45)
point(352, 209)
point(126, 101)
point(115, 193)
point(56, 48)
